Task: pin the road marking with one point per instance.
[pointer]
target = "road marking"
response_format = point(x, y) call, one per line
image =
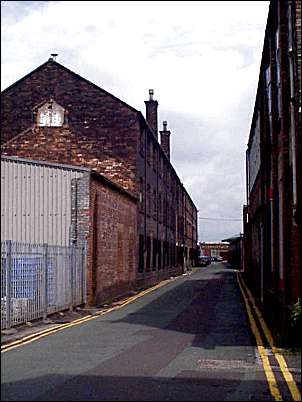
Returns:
point(42, 334)
point(295, 393)
point(272, 383)
point(61, 327)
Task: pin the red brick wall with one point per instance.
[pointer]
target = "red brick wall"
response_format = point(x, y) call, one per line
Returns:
point(102, 131)
point(112, 247)
point(64, 145)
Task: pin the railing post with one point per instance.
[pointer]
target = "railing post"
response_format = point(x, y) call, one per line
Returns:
point(8, 283)
point(44, 280)
point(71, 277)
point(83, 269)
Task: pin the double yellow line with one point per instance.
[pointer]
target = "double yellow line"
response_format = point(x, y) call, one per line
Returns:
point(249, 301)
point(60, 327)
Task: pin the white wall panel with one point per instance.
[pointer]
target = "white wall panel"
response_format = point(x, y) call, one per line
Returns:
point(36, 201)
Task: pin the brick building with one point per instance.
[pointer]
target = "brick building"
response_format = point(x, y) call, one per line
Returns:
point(111, 257)
point(64, 211)
point(53, 114)
point(272, 216)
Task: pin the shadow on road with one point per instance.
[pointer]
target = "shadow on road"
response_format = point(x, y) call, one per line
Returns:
point(188, 386)
point(211, 309)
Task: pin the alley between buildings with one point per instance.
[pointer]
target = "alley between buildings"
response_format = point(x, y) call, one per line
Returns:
point(187, 340)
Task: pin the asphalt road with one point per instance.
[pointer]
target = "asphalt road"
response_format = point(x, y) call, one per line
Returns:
point(186, 341)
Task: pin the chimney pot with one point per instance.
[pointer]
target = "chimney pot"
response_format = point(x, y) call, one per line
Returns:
point(53, 56)
point(151, 93)
point(165, 124)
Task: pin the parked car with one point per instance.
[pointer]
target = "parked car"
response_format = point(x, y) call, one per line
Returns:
point(203, 261)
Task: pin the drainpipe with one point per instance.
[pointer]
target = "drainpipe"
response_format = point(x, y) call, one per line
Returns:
point(261, 264)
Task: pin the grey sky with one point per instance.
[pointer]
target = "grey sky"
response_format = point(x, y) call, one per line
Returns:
point(201, 58)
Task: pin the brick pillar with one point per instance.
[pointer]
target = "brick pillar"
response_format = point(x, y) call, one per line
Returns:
point(151, 113)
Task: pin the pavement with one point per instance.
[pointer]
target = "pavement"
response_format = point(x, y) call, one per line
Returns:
point(52, 321)
point(68, 316)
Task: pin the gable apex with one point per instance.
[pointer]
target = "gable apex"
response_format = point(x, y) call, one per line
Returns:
point(51, 62)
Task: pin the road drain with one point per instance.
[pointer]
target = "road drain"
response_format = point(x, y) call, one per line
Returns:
point(228, 364)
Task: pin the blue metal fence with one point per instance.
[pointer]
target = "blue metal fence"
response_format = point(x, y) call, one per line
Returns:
point(37, 280)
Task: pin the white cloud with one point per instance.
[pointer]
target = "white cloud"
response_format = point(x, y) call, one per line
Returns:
point(201, 58)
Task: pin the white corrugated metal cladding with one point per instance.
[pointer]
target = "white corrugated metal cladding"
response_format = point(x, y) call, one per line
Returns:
point(36, 201)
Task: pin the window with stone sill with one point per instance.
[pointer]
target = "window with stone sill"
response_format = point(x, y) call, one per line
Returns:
point(51, 114)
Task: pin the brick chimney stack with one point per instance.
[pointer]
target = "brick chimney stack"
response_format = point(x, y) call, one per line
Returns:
point(151, 113)
point(165, 139)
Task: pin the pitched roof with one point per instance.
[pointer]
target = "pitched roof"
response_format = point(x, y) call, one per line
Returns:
point(50, 61)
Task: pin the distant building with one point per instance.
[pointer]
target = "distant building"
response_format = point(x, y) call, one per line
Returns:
point(272, 216)
point(54, 115)
point(213, 249)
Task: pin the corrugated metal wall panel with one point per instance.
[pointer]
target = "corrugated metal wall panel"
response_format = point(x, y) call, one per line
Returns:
point(36, 202)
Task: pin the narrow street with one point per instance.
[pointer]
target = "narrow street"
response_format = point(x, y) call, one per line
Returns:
point(187, 340)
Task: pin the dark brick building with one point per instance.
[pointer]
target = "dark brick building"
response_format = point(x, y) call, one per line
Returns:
point(272, 217)
point(53, 114)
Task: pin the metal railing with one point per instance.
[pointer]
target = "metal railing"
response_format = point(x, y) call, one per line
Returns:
point(37, 280)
